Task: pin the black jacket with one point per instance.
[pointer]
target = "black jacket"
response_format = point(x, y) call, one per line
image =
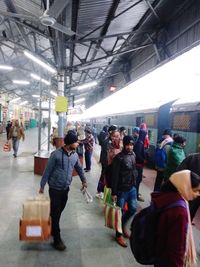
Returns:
point(123, 172)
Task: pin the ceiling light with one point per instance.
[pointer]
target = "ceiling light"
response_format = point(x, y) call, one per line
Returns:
point(15, 99)
point(87, 85)
point(21, 82)
point(36, 77)
point(5, 67)
point(53, 93)
point(40, 62)
point(23, 103)
point(45, 81)
point(79, 100)
point(35, 96)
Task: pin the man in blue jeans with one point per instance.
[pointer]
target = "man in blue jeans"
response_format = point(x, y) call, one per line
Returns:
point(123, 185)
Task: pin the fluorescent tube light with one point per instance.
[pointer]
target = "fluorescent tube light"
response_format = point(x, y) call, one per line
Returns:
point(39, 62)
point(14, 100)
point(79, 100)
point(23, 103)
point(36, 77)
point(53, 93)
point(5, 67)
point(21, 82)
point(87, 85)
point(35, 96)
point(45, 81)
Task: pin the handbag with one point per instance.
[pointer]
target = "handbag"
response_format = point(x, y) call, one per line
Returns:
point(7, 147)
point(113, 217)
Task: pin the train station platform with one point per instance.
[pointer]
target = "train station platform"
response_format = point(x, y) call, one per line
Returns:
point(89, 243)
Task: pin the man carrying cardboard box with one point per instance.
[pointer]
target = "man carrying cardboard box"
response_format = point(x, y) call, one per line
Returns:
point(58, 174)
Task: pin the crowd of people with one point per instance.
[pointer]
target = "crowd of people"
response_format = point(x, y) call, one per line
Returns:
point(122, 160)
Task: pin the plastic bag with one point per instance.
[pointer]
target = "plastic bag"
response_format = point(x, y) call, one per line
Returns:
point(87, 196)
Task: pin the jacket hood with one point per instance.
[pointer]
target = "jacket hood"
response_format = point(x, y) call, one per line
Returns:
point(163, 199)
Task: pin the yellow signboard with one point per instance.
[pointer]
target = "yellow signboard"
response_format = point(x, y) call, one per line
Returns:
point(61, 104)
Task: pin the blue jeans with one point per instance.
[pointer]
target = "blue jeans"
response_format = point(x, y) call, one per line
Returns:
point(15, 143)
point(131, 198)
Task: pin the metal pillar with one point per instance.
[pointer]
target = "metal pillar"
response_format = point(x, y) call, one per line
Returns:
point(61, 115)
point(49, 121)
point(40, 118)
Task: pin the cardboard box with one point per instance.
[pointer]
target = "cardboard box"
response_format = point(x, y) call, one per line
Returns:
point(34, 230)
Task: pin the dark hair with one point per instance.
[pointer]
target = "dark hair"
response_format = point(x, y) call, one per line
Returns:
point(168, 187)
point(195, 179)
point(179, 139)
point(121, 129)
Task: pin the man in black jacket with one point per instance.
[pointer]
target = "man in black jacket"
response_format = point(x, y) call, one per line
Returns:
point(123, 184)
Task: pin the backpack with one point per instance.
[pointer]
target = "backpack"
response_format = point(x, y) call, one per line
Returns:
point(144, 234)
point(160, 157)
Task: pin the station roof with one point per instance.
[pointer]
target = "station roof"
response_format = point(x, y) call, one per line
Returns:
point(86, 39)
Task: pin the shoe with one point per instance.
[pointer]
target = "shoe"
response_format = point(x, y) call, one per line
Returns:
point(14, 155)
point(125, 233)
point(99, 195)
point(140, 199)
point(87, 170)
point(120, 240)
point(59, 245)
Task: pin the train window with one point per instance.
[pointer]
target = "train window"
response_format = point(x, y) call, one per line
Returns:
point(198, 123)
point(150, 120)
point(139, 120)
point(181, 122)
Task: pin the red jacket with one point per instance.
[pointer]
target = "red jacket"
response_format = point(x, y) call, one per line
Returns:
point(172, 230)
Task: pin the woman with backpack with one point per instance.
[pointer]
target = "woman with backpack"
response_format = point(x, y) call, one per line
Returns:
point(175, 244)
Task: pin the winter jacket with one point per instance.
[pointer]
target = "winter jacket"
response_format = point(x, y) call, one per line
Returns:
point(175, 156)
point(123, 172)
point(172, 229)
point(58, 172)
point(139, 148)
point(19, 130)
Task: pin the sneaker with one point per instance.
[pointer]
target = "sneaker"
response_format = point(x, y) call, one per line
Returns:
point(86, 170)
point(99, 195)
point(59, 245)
point(120, 240)
point(125, 233)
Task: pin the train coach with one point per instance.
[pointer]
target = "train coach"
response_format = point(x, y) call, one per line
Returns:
point(181, 116)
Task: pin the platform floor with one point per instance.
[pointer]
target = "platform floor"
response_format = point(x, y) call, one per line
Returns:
point(89, 242)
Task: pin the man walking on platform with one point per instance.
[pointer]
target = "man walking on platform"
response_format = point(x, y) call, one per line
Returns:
point(123, 185)
point(58, 174)
point(16, 133)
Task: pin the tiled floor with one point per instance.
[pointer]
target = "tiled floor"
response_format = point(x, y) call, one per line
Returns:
point(89, 242)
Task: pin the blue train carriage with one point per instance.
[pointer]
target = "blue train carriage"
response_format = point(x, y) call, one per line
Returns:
point(185, 120)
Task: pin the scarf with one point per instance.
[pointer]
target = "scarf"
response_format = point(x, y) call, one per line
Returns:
point(182, 181)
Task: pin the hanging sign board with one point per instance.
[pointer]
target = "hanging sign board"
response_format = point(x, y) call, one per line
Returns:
point(61, 104)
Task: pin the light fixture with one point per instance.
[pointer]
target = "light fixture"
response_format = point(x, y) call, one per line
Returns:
point(87, 85)
point(45, 81)
point(39, 62)
point(79, 100)
point(5, 67)
point(53, 93)
point(21, 82)
point(38, 78)
point(35, 96)
point(23, 103)
point(14, 100)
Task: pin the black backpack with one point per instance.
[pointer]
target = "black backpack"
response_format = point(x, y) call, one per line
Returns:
point(144, 232)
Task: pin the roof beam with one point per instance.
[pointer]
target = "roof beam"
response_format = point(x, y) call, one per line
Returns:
point(57, 8)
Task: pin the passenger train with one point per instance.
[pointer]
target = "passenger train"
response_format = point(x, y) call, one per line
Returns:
point(181, 116)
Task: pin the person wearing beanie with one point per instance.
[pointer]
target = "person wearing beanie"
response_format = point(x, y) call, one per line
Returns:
point(123, 183)
point(122, 131)
point(58, 175)
point(135, 133)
